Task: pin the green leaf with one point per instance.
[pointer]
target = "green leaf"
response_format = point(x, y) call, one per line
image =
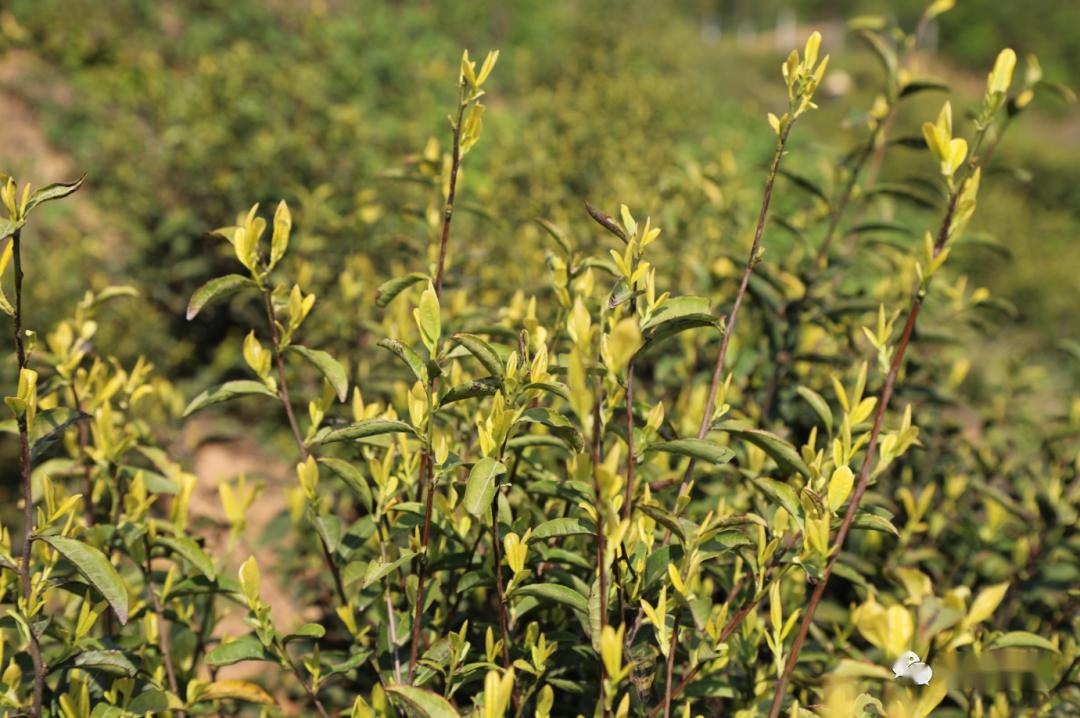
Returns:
point(881, 48)
point(488, 386)
point(96, 569)
point(560, 426)
point(352, 477)
point(556, 528)
point(312, 631)
point(699, 449)
point(424, 703)
point(328, 365)
point(556, 593)
point(484, 352)
point(49, 426)
point(551, 387)
point(215, 288)
point(376, 570)
point(1021, 639)
point(865, 519)
point(780, 451)
point(225, 392)
point(923, 85)
point(361, 430)
point(806, 184)
point(677, 308)
point(665, 518)
point(902, 191)
point(191, 552)
point(8, 227)
point(390, 289)
point(109, 661)
point(481, 486)
point(245, 648)
point(781, 493)
point(59, 190)
point(675, 316)
point(819, 405)
point(407, 355)
point(235, 690)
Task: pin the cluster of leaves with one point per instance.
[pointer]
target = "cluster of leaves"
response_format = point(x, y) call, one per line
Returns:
point(575, 504)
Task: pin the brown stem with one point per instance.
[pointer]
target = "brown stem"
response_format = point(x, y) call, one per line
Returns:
point(864, 472)
point(27, 484)
point(283, 385)
point(792, 322)
point(283, 394)
point(426, 484)
point(729, 325)
point(391, 621)
point(734, 622)
point(670, 667)
point(164, 640)
point(304, 683)
point(600, 550)
point(448, 211)
point(504, 624)
point(733, 316)
point(628, 503)
point(84, 441)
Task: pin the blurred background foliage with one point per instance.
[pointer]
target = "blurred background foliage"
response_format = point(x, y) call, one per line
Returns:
point(187, 113)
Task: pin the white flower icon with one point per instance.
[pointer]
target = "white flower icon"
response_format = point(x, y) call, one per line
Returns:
point(911, 666)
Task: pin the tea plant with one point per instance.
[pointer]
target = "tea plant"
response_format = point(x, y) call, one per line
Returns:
point(606, 498)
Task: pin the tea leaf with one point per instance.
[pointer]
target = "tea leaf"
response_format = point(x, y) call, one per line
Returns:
point(235, 690)
point(407, 355)
point(352, 477)
point(782, 452)
point(483, 352)
point(819, 405)
point(109, 661)
point(246, 648)
point(50, 192)
point(390, 289)
point(557, 528)
point(216, 288)
point(781, 493)
point(225, 392)
point(95, 568)
point(480, 488)
point(1021, 639)
point(361, 430)
point(700, 449)
point(425, 703)
point(328, 365)
point(556, 593)
point(190, 551)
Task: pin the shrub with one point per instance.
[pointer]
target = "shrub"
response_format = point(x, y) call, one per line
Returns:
point(606, 498)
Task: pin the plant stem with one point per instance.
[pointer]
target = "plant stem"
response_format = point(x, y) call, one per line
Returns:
point(283, 394)
point(628, 503)
point(669, 669)
point(304, 683)
point(425, 539)
point(729, 326)
point(448, 211)
point(27, 484)
point(864, 472)
point(426, 468)
point(504, 625)
point(734, 622)
point(164, 641)
point(391, 621)
point(600, 550)
point(732, 317)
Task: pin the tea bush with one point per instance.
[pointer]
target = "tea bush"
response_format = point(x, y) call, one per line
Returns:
point(739, 466)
